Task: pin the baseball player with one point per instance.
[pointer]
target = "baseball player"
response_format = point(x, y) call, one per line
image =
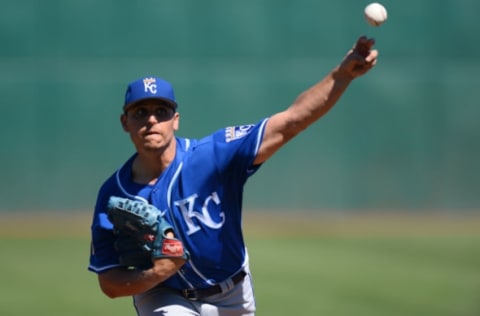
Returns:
point(197, 185)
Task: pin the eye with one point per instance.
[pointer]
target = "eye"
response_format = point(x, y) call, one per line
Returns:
point(140, 113)
point(161, 112)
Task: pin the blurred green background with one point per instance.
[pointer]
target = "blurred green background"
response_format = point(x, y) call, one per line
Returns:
point(406, 136)
point(403, 140)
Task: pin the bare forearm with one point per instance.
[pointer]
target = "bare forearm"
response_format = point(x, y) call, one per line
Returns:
point(315, 102)
point(308, 107)
point(127, 282)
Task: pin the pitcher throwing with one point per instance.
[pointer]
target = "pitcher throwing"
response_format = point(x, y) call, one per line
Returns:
point(196, 186)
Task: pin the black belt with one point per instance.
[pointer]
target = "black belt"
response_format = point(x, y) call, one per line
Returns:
point(197, 294)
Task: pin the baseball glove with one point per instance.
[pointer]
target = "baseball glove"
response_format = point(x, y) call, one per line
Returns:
point(141, 233)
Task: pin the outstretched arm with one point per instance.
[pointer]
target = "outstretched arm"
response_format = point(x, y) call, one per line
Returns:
point(313, 103)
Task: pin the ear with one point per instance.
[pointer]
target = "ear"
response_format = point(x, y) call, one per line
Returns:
point(123, 121)
point(176, 121)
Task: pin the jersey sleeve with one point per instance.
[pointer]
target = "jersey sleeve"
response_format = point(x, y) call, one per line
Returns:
point(102, 252)
point(236, 147)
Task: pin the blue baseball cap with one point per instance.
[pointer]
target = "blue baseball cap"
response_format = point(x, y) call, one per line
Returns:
point(149, 88)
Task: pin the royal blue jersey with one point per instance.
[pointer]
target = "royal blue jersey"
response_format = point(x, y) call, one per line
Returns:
point(200, 195)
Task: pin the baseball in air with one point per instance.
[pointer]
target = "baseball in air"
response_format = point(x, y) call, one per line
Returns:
point(375, 14)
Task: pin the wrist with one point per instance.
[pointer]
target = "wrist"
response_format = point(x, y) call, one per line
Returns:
point(341, 76)
point(164, 268)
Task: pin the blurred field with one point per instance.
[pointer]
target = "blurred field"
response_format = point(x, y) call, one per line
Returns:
point(312, 265)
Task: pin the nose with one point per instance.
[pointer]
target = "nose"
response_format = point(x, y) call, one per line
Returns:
point(152, 118)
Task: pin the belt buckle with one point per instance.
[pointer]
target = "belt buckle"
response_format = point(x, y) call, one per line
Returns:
point(188, 295)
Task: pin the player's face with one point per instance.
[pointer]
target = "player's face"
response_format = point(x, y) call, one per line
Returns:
point(151, 125)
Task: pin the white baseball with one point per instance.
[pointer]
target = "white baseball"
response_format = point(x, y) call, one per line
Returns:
point(375, 14)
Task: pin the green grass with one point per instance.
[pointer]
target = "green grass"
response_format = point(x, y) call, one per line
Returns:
point(329, 275)
point(367, 276)
point(49, 277)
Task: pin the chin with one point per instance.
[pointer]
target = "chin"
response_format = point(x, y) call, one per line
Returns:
point(153, 147)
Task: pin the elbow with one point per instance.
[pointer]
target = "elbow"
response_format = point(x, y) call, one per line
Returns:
point(109, 289)
point(293, 128)
point(296, 121)
point(109, 292)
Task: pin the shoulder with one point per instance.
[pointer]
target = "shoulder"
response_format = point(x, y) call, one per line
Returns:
point(112, 185)
point(123, 171)
point(230, 134)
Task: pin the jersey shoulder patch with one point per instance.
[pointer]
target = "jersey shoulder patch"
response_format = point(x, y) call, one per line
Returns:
point(236, 132)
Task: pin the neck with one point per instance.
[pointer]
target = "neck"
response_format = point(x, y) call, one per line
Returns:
point(148, 166)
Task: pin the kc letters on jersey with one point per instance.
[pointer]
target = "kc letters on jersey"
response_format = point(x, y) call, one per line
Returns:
point(187, 208)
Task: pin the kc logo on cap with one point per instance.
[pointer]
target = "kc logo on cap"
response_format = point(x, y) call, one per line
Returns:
point(150, 85)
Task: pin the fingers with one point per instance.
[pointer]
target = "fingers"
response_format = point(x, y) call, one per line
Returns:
point(360, 59)
point(364, 45)
point(372, 57)
point(364, 40)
